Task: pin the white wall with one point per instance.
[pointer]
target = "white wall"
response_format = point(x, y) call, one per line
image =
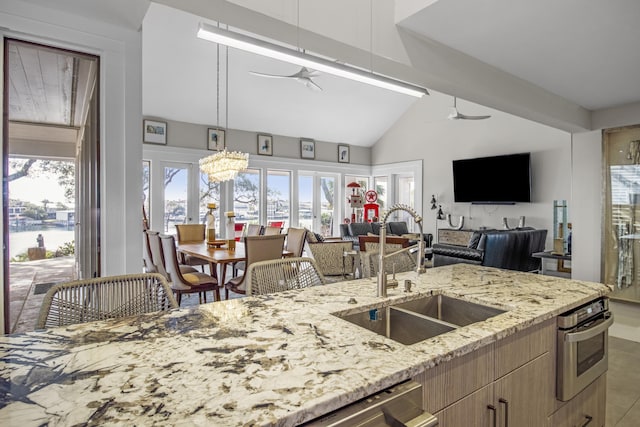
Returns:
point(441, 141)
point(119, 50)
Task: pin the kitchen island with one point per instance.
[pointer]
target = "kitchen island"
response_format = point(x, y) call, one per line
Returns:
point(278, 359)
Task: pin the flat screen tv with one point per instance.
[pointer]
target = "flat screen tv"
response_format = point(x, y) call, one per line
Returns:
point(493, 180)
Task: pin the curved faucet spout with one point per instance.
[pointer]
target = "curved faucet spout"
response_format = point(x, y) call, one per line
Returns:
point(382, 275)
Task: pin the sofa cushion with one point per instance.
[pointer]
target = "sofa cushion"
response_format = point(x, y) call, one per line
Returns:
point(375, 227)
point(360, 228)
point(398, 228)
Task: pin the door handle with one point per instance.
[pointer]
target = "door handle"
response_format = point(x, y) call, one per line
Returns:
point(590, 333)
point(495, 415)
point(589, 419)
point(505, 402)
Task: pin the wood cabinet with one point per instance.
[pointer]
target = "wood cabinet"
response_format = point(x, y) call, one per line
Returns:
point(588, 408)
point(509, 383)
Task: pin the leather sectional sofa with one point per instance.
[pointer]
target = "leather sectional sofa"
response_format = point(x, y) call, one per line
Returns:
point(508, 249)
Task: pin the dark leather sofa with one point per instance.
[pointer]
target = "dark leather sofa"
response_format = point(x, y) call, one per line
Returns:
point(508, 249)
point(353, 230)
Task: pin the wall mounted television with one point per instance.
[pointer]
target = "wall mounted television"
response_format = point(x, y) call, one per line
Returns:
point(493, 180)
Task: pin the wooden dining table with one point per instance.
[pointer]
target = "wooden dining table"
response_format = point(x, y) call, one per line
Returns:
point(217, 255)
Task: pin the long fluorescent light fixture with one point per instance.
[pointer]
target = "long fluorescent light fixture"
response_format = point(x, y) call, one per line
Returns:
point(264, 48)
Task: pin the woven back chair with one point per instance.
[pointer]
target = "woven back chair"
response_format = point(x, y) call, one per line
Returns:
point(267, 277)
point(104, 298)
point(295, 241)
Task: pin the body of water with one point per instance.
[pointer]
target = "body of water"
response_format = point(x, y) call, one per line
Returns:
point(54, 237)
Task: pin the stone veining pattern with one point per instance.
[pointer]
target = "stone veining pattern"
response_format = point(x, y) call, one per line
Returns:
point(280, 359)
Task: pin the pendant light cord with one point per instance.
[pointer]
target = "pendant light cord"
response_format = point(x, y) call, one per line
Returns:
point(226, 114)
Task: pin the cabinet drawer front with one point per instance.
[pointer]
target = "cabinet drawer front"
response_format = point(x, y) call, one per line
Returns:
point(518, 349)
point(590, 402)
point(452, 380)
point(472, 411)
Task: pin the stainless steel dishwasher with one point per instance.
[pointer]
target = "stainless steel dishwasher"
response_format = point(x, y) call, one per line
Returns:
point(397, 406)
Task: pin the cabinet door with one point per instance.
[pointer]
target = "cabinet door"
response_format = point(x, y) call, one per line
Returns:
point(472, 411)
point(587, 408)
point(524, 397)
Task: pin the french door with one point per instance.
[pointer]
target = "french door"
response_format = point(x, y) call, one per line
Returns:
point(318, 202)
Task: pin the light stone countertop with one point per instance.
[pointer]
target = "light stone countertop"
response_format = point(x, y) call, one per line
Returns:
point(279, 359)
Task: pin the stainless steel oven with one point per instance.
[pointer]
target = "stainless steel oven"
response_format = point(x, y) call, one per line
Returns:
point(582, 347)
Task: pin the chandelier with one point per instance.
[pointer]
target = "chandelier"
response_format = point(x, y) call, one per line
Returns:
point(224, 165)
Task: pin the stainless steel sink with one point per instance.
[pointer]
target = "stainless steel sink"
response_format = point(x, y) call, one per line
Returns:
point(420, 319)
point(451, 310)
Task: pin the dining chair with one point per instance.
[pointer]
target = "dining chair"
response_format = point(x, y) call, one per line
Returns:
point(252, 230)
point(270, 231)
point(295, 241)
point(103, 298)
point(191, 233)
point(157, 255)
point(147, 258)
point(256, 248)
point(267, 277)
point(186, 283)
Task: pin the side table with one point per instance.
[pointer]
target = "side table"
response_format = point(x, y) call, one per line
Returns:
point(561, 271)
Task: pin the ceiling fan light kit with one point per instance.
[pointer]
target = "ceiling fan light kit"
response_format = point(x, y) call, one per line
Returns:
point(264, 48)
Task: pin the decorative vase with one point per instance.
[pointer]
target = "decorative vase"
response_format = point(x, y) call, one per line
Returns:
point(211, 223)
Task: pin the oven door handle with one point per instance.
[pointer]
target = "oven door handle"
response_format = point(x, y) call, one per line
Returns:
point(591, 332)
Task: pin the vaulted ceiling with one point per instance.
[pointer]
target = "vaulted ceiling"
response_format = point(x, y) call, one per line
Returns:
point(571, 56)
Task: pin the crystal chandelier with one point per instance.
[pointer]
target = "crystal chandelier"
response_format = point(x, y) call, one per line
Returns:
point(224, 165)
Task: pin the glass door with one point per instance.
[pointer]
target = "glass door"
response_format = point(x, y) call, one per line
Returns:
point(621, 240)
point(175, 196)
point(405, 195)
point(318, 202)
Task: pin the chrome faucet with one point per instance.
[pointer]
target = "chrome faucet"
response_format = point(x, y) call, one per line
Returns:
point(382, 275)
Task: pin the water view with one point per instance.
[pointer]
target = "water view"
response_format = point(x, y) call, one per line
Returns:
point(54, 237)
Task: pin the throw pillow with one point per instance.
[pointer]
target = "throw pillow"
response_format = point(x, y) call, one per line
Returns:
point(474, 240)
point(319, 237)
point(311, 236)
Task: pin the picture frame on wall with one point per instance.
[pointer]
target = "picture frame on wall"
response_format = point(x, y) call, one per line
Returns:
point(215, 139)
point(343, 153)
point(307, 148)
point(265, 145)
point(154, 132)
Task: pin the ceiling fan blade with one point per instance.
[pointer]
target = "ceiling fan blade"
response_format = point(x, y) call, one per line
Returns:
point(465, 117)
point(271, 76)
point(312, 85)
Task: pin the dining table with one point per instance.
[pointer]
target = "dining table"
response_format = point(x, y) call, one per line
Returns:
point(218, 255)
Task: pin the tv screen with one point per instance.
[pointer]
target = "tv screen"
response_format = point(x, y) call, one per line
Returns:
point(493, 180)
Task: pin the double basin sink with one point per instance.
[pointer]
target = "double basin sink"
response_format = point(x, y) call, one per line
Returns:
point(416, 320)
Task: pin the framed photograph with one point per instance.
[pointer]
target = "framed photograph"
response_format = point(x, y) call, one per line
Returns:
point(307, 148)
point(343, 153)
point(265, 145)
point(215, 139)
point(154, 132)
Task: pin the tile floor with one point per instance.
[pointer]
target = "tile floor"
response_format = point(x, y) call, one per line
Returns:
point(623, 377)
point(623, 383)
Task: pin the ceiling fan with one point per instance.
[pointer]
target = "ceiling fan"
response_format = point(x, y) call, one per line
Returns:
point(456, 115)
point(304, 76)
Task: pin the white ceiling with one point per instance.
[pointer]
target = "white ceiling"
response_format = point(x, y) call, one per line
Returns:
point(583, 50)
point(179, 83)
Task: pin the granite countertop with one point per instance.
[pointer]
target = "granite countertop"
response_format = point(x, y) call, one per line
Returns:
point(278, 359)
